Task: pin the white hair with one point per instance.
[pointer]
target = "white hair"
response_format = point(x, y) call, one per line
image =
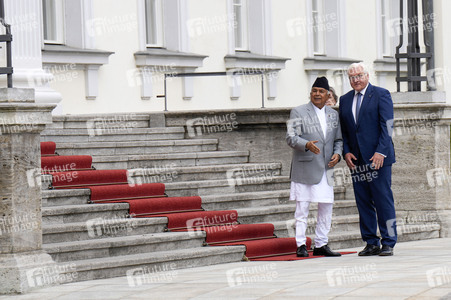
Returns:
point(358, 65)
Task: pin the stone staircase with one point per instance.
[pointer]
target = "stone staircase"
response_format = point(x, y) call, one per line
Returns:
point(101, 242)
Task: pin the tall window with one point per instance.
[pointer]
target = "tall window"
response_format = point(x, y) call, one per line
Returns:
point(386, 40)
point(154, 23)
point(53, 17)
point(241, 25)
point(317, 27)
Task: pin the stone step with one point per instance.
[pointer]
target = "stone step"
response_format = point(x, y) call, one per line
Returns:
point(137, 147)
point(86, 135)
point(251, 199)
point(241, 200)
point(179, 173)
point(342, 213)
point(172, 173)
point(411, 232)
point(65, 197)
point(84, 212)
point(166, 159)
point(125, 120)
point(342, 239)
point(154, 267)
point(220, 187)
point(235, 186)
point(216, 194)
point(340, 224)
point(124, 245)
point(101, 228)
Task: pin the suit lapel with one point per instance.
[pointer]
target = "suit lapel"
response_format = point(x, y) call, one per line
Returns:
point(347, 108)
point(366, 99)
point(330, 119)
point(315, 121)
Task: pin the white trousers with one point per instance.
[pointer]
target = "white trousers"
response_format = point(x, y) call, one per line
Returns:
point(323, 222)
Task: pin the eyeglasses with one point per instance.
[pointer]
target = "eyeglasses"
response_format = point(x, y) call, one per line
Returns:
point(357, 77)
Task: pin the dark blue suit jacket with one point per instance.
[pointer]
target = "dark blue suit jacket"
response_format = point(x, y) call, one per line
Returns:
point(371, 133)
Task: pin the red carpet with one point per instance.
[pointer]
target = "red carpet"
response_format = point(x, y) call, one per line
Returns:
point(83, 179)
point(126, 192)
point(51, 164)
point(169, 205)
point(237, 233)
point(268, 247)
point(48, 148)
point(200, 219)
point(183, 213)
point(293, 257)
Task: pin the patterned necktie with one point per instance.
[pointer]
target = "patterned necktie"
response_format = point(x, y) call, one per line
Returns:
point(357, 107)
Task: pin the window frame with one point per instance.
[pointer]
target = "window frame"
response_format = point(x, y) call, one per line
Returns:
point(159, 30)
point(386, 40)
point(318, 36)
point(59, 22)
point(242, 24)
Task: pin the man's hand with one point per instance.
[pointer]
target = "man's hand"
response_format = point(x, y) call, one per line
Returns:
point(312, 147)
point(349, 157)
point(377, 161)
point(334, 160)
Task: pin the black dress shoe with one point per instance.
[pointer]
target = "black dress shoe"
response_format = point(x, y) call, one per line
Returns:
point(302, 251)
point(386, 251)
point(324, 250)
point(370, 250)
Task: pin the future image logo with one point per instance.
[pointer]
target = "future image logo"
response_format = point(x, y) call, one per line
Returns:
point(109, 25)
point(350, 275)
point(51, 275)
point(209, 25)
point(251, 275)
point(211, 124)
point(151, 274)
point(251, 174)
point(438, 276)
point(438, 177)
point(109, 226)
point(111, 125)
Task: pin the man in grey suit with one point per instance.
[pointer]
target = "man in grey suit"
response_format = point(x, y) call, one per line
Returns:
point(314, 133)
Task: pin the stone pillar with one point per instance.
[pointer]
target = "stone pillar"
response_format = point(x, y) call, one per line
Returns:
point(25, 18)
point(22, 259)
point(421, 175)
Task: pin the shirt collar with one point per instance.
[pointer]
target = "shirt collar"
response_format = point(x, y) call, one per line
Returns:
point(362, 91)
point(320, 110)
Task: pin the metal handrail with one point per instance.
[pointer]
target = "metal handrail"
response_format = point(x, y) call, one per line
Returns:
point(8, 70)
point(202, 74)
point(413, 53)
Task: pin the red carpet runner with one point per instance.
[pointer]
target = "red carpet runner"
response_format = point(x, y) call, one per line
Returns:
point(149, 200)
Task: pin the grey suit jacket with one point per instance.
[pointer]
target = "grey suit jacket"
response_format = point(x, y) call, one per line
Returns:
point(304, 126)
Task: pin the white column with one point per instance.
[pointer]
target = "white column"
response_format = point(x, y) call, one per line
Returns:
point(25, 18)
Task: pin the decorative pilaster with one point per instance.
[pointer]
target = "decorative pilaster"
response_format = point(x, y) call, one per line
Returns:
point(25, 19)
point(22, 260)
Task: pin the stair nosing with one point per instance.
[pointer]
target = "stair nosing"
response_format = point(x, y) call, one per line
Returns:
point(121, 241)
point(154, 257)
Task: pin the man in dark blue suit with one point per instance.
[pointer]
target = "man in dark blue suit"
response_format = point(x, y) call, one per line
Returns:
point(365, 113)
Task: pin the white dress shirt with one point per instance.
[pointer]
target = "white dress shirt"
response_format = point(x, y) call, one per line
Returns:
point(354, 102)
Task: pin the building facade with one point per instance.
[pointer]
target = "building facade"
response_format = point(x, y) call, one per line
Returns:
point(107, 56)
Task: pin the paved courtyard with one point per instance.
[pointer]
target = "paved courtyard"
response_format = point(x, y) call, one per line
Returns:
point(418, 270)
